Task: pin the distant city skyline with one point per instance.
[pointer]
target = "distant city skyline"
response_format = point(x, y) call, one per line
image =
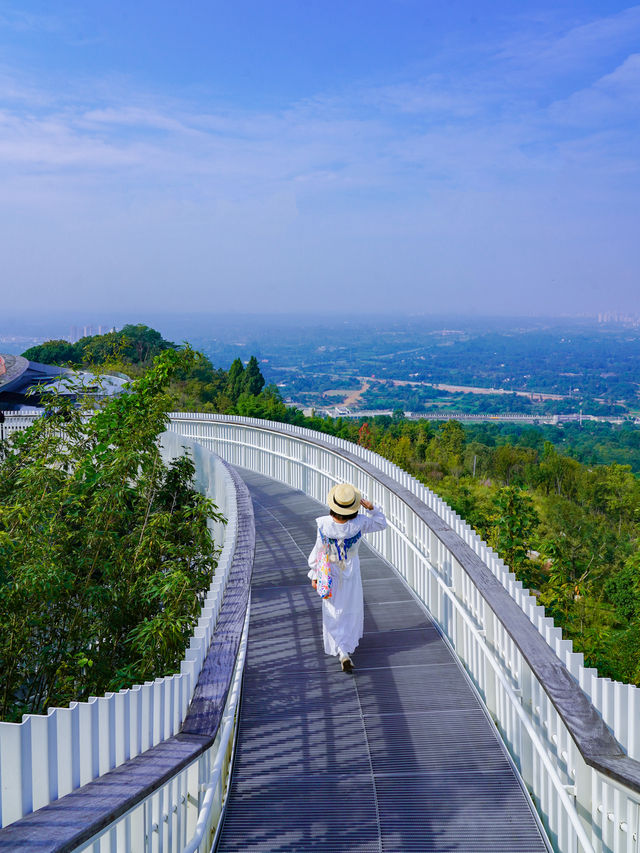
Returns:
point(381, 156)
point(25, 329)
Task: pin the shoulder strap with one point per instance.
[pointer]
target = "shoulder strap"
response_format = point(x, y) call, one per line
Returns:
point(341, 545)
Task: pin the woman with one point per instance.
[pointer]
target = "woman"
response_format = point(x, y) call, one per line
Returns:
point(340, 533)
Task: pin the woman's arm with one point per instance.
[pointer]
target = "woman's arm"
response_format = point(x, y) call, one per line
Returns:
point(375, 521)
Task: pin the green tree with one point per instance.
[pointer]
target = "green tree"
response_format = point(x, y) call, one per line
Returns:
point(575, 540)
point(575, 605)
point(105, 553)
point(402, 452)
point(54, 352)
point(508, 462)
point(557, 473)
point(623, 589)
point(135, 344)
point(268, 404)
point(386, 446)
point(253, 381)
point(615, 491)
point(235, 380)
point(452, 439)
point(514, 524)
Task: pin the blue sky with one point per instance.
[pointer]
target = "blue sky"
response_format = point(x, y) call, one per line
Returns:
point(270, 155)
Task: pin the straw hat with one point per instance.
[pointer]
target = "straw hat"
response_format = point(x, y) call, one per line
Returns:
point(344, 499)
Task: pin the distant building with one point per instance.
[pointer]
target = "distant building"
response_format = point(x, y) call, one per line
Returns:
point(78, 332)
point(23, 381)
point(618, 317)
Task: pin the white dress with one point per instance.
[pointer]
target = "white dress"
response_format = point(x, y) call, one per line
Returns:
point(343, 613)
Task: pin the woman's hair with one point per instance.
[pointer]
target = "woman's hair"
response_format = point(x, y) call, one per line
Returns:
point(343, 517)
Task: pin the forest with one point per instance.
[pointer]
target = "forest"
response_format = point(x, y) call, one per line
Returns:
point(560, 504)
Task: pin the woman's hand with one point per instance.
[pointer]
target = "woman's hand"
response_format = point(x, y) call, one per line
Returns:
point(314, 584)
point(366, 504)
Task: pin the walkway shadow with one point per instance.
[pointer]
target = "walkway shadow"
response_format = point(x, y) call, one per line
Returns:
point(397, 757)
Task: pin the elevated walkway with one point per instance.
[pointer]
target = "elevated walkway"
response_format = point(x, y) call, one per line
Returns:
point(400, 756)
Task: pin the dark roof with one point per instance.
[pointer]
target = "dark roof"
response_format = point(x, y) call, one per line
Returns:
point(20, 378)
point(18, 374)
point(12, 369)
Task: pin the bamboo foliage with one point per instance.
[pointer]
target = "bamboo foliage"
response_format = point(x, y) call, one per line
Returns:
point(105, 551)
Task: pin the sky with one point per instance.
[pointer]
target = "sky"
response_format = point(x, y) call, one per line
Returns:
point(374, 156)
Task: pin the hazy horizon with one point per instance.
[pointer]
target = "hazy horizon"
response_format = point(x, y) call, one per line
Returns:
point(41, 325)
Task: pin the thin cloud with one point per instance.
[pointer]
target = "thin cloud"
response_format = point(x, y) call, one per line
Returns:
point(579, 46)
point(432, 96)
point(255, 155)
point(18, 20)
point(613, 98)
point(135, 117)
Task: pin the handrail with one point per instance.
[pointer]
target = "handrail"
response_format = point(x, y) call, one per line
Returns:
point(152, 796)
point(228, 724)
point(517, 706)
point(554, 707)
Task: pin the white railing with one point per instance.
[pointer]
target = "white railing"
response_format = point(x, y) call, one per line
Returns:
point(14, 421)
point(183, 814)
point(215, 788)
point(586, 789)
point(47, 756)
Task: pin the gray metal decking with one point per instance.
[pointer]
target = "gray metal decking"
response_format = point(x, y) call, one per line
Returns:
point(398, 757)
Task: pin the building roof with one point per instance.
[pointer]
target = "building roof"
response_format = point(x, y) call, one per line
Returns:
point(19, 378)
point(12, 368)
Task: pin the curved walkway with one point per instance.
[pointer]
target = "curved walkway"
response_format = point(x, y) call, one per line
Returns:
point(398, 757)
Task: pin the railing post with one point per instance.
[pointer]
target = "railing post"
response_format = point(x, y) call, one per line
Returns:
point(136, 825)
point(458, 628)
point(386, 542)
point(271, 459)
point(439, 596)
point(447, 610)
point(526, 747)
point(304, 473)
point(586, 808)
point(410, 570)
point(489, 675)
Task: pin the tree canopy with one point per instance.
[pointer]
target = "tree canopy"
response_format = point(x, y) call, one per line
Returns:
point(133, 344)
point(105, 553)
